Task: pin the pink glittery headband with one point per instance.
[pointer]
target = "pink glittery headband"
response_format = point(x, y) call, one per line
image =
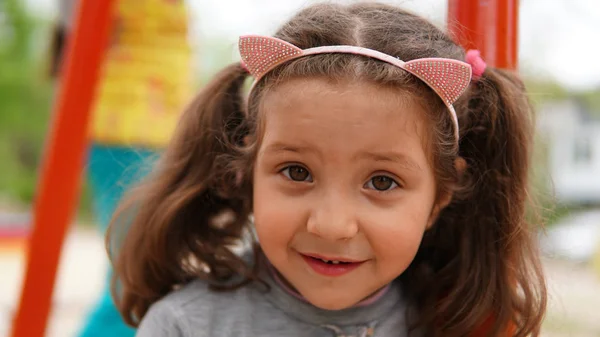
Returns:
point(447, 77)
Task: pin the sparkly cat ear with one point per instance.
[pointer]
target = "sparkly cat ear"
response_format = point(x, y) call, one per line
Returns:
point(262, 53)
point(448, 78)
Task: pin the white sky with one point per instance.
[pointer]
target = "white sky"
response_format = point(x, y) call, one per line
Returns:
point(558, 38)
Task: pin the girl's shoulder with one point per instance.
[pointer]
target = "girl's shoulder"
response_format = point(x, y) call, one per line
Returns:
point(193, 308)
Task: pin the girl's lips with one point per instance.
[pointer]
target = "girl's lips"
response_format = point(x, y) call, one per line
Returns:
point(332, 258)
point(333, 268)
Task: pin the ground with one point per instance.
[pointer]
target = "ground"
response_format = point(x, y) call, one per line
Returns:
point(574, 289)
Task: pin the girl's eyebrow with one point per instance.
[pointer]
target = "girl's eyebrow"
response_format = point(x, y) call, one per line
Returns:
point(385, 156)
point(278, 147)
point(392, 157)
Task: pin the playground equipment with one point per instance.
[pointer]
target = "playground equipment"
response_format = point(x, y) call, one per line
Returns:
point(488, 25)
point(60, 178)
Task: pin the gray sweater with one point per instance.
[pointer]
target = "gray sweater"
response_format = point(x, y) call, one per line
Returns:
point(196, 311)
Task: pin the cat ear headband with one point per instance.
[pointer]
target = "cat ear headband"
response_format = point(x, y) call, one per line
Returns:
point(448, 78)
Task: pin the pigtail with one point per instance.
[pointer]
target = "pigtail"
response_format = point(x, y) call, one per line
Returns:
point(176, 226)
point(497, 144)
point(481, 256)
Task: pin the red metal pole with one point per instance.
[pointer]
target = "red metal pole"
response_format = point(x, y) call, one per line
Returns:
point(59, 183)
point(508, 34)
point(488, 25)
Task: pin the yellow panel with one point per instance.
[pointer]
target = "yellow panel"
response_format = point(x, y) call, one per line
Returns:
point(146, 81)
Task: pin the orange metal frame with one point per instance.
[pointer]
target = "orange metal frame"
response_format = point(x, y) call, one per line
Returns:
point(488, 25)
point(58, 188)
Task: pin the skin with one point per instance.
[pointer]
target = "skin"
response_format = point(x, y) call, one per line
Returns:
point(342, 172)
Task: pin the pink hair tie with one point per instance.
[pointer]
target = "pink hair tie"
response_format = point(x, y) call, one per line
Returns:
point(477, 63)
point(243, 64)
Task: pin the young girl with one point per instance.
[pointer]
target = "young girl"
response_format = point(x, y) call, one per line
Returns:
point(384, 176)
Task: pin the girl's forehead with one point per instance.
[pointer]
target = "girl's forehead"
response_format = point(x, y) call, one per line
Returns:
point(328, 104)
point(315, 90)
point(343, 117)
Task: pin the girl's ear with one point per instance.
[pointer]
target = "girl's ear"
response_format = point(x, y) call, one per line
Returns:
point(239, 177)
point(444, 199)
point(460, 164)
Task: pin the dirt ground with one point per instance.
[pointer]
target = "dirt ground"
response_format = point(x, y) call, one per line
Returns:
point(573, 311)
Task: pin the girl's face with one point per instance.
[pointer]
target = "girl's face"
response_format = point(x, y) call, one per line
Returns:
point(342, 174)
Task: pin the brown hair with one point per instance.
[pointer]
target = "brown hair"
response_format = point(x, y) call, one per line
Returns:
point(478, 261)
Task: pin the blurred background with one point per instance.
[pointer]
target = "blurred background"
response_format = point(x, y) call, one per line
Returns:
point(558, 52)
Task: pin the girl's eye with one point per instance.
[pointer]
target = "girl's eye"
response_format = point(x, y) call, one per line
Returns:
point(297, 173)
point(381, 183)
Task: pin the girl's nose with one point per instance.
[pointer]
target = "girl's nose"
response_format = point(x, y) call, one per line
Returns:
point(333, 219)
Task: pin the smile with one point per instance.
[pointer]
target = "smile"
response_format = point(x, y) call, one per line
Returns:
point(330, 266)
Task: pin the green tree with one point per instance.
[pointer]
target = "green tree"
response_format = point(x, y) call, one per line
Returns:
point(24, 101)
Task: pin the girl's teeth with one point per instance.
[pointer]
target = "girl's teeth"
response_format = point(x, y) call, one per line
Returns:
point(330, 261)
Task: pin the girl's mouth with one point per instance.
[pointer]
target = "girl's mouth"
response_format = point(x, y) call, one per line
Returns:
point(331, 266)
